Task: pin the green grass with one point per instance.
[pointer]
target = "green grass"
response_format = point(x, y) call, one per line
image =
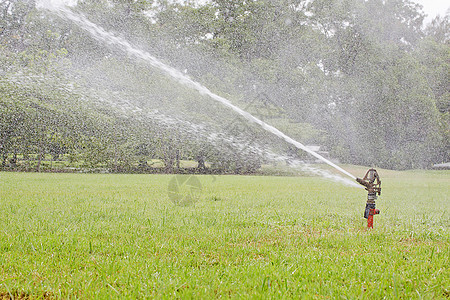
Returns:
point(120, 236)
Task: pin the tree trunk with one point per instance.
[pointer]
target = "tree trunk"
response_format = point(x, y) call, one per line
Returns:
point(5, 158)
point(13, 160)
point(178, 159)
point(26, 159)
point(38, 166)
point(40, 156)
point(116, 158)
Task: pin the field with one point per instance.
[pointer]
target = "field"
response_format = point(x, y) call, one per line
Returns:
point(120, 236)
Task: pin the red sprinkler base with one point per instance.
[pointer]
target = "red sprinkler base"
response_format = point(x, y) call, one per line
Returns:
point(372, 212)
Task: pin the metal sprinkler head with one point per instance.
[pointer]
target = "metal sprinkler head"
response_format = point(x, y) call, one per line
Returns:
point(372, 183)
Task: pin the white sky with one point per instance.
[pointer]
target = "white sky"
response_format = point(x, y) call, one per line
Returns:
point(434, 7)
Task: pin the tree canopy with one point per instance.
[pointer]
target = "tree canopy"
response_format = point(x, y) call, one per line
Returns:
point(364, 78)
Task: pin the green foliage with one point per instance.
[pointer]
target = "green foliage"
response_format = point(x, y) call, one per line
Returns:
point(362, 77)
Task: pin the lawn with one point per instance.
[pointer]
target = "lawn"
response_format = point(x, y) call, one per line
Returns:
point(121, 236)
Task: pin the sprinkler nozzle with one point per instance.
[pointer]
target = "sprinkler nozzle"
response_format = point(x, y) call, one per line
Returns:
point(360, 181)
point(371, 181)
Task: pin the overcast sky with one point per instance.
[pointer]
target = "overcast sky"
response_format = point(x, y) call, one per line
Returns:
point(434, 7)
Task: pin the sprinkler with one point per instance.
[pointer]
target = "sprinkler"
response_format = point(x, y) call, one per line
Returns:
point(372, 183)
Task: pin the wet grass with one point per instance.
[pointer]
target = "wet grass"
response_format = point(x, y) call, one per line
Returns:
point(115, 236)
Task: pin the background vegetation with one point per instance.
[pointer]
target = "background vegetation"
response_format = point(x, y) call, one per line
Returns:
point(365, 79)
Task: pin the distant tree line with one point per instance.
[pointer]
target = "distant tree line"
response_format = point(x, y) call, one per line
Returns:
point(364, 78)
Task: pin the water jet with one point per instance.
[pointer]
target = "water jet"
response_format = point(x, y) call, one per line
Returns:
point(108, 38)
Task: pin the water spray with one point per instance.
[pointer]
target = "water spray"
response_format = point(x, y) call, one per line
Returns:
point(372, 183)
point(102, 35)
point(371, 180)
